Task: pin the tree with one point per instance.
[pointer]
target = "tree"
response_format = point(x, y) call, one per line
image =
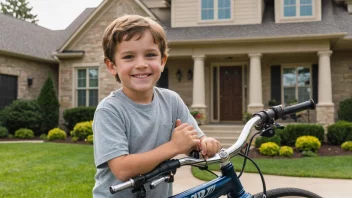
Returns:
point(49, 105)
point(18, 9)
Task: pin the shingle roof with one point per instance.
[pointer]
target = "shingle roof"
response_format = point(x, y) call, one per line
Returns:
point(269, 28)
point(26, 38)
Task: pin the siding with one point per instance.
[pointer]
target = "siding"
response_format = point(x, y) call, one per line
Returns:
point(186, 13)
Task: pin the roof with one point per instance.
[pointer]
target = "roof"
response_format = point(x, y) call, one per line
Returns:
point(330, 24)
point(21, 37)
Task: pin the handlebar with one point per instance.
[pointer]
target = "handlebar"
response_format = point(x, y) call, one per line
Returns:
point(262, 117)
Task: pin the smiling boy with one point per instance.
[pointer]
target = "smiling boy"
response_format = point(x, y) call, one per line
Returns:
point(139, 126)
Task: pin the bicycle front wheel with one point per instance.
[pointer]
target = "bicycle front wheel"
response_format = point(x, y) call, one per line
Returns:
point(287, 192)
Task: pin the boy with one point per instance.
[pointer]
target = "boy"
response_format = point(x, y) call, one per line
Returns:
point(139, 126)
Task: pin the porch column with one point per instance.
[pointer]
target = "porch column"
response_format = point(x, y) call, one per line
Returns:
point(255, 84)
point(325, 108)
point(198, 103)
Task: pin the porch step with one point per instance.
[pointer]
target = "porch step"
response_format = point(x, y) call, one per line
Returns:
point(225, 134)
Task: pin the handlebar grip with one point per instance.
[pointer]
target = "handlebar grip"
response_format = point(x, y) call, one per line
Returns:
point(122, 186)
point(299, 107)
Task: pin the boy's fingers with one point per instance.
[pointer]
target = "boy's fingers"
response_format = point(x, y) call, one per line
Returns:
point(178, 122)
point(204, 147)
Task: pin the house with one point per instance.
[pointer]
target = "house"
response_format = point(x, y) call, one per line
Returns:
point(227, 57)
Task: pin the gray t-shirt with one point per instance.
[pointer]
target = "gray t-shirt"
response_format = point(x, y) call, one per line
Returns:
point(123, 127)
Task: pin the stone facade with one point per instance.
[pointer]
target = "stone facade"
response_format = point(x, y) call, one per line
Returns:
point(25, 69)
point(90, 40)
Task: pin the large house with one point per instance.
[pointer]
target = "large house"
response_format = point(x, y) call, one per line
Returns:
point(227, 57)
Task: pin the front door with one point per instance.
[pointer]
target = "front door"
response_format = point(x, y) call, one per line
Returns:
point(230, 93)
point(8, 90)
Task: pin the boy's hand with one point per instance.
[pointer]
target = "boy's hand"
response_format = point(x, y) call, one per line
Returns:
point(184, 137)
point(209, 146)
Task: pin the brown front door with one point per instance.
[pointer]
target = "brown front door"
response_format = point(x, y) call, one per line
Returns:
point(231, 93)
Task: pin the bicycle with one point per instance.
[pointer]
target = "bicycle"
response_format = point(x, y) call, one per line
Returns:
point(228, 183)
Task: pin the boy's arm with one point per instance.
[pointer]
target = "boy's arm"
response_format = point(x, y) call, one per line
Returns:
point(184, 138)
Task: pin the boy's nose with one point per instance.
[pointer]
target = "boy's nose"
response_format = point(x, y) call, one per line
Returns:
point(142, 63)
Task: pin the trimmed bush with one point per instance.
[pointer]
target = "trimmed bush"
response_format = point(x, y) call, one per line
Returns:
point(43, 136)
point(78, 114)
point(56, 134)
point(74, 139)
point(339, 132)
point(308, 143)
point(24, 133)
point(292, 131)
point(90, 139)
point(3, 132)
point(260, 140)
point(345, 110)
point(269, 148)
point(82, 130)
point(286, 151)
point(347, 146)
point(49, 105)
point(309, 154)
point(22, 114)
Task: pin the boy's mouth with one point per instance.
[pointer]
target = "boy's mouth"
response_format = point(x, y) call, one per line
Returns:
point(141, 76)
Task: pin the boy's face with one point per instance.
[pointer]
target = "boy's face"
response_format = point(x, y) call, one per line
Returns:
point(138, 64)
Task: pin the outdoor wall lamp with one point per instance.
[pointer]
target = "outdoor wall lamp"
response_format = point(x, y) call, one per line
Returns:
point(179, 75)
point(189, 74)
point(29, 82)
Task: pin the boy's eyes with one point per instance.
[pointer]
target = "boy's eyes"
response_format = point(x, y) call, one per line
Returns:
point(131, 56)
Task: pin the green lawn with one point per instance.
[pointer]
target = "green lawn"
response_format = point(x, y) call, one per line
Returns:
point(323, 167)
point(46, 170)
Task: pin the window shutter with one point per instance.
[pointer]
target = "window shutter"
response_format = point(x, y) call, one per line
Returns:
point(276, 83)
point(315, 82)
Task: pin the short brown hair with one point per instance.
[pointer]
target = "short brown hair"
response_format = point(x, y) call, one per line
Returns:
point(131, 25)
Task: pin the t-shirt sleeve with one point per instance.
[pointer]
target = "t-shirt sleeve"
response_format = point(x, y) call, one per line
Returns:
point(185, 116)
point(110, 140)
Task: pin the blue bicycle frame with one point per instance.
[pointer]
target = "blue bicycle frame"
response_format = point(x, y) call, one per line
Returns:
point(227, 184)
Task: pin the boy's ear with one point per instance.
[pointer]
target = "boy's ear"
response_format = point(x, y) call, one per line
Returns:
point(111, 66)
point(163, 63)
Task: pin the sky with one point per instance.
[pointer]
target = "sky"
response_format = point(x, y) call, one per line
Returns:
point(58, 14)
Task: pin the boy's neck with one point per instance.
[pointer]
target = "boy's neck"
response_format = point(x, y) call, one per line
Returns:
point(140, 97)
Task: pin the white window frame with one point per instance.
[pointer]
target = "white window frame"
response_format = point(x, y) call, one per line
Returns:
point(298, 11)
point(75, 89)
point(216, 9)
point(295, 66)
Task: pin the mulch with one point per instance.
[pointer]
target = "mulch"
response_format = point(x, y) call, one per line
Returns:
point(325, 150)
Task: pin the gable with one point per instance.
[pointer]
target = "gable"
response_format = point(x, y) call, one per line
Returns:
point(105, 13)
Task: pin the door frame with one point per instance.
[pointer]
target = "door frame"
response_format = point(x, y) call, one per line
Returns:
point(218, 65)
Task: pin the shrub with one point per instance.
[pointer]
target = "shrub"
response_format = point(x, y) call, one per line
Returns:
point(269, 148)
point(24, 133)
point(309, 154)
point(3, 132)
point(49, 105)
point(90, 139)
point(78, 114)
point(345, 110)
point(246, 117)
point(82, 130)
point(308, 143)
point(260, 140)
point(74, 139)
point(339, 132)
point(43, 136)
point(286, 151)
point(292, 131)
point(347, 146)
point(22, 114)
point(10, 136)
point(56, 134)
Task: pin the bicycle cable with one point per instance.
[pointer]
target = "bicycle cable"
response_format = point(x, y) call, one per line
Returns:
point(260, 172)
point(246, 153)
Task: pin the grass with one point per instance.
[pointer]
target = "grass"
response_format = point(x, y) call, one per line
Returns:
point(46, 170)
point(321, 167)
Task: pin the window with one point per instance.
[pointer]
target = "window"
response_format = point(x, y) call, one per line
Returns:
point(298, 8)
point(215, 9)
point(296, 84)
point(8, 90)
point(87, 87)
